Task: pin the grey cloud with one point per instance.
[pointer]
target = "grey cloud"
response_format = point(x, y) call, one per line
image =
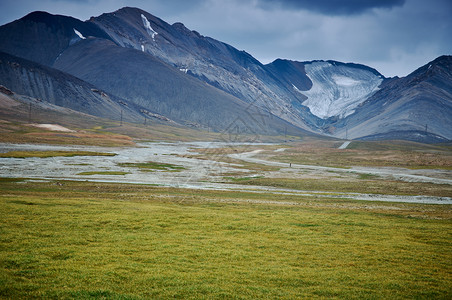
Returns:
point(332, 7)
point(395, 37)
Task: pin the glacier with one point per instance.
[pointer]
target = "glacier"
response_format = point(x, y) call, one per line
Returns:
point(338, 89)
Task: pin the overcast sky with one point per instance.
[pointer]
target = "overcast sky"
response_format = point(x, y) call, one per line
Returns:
point(393, 36)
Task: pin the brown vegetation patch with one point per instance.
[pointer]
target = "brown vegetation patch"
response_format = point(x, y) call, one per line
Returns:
point(410, 156)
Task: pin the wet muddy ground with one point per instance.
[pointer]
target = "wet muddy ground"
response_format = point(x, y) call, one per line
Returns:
point(196, 173)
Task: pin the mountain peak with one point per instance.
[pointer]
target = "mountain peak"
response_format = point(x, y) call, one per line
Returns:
point(444, 61)
point(130, 14)
point(36, 15)
point(129, 9)
point(439, 65)
point(443, 58)
point(42, 37)
point(47, 18)
point(133, 12)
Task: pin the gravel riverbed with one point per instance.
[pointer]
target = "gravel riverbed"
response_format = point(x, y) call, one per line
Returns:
point(196, 173)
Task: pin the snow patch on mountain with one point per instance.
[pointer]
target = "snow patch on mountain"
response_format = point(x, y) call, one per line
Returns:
point(338, 89)
point(344, 81)
point(148, 27)
point(79, 34)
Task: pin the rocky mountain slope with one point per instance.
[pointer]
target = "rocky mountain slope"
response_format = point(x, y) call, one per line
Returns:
point(417, 107)
point(154, 87)
point(152, 84)
point(193, 80)
point(218, 64)
point(50, 85)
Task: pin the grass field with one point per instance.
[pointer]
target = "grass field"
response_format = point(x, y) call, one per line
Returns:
point(87, 240)
point(364, 185)
point(116, 241)
point(379, 154)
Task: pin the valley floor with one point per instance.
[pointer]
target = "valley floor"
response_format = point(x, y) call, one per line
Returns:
point(85, 240)
point(126, 165)
point(220, 220)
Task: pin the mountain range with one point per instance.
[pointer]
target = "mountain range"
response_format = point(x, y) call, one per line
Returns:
point(132, 64)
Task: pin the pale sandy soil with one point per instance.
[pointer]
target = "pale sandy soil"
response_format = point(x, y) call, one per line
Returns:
point(53, 127)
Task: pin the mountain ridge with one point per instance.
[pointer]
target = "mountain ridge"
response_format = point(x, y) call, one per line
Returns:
point(321, 96)
point(421, 99)
point(58, 88)
point(187, 115)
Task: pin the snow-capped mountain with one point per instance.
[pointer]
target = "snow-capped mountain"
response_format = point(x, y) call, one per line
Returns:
point(172, 71)
point(417, 107)
point(338, 89)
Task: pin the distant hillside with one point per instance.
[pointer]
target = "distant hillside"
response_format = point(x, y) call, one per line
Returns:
point(41, 37)
point(56, 87)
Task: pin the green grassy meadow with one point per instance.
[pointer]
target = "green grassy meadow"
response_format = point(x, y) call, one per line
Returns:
point(90, 240)
point(404, 154)
point(361, 185)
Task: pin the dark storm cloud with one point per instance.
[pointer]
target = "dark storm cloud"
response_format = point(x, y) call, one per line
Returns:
point(333, 7)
